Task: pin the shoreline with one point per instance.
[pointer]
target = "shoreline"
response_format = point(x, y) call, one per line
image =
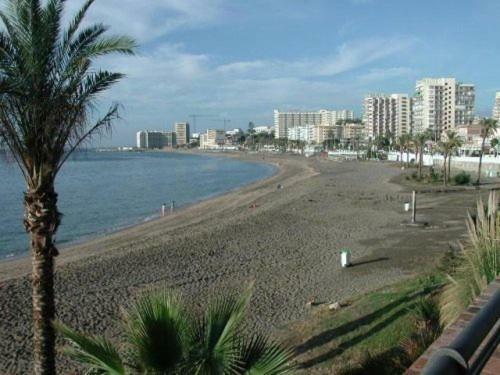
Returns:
point(285, 241)
point(20, 265)
point(68, 245)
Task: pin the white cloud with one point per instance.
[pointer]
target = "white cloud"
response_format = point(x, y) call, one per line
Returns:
point(378, 74)
point(147, 20)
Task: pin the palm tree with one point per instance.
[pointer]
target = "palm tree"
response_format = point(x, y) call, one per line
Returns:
point(419, 140)
point(401, 141)
point(494, 143)
point(408, 144)
point(163, 337)
point(445, 148)
point(48, 88)
point(488, 127)
point(455, 142)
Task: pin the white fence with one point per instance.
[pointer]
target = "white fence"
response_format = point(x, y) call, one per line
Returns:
point(468, 163)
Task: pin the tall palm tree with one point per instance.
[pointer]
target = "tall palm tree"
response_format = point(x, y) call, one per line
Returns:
point(47, 90)
point(408, 145)
point(163, 337)
point(400, 142)
point(488, 127)
point(455, 142)
point(419, 140)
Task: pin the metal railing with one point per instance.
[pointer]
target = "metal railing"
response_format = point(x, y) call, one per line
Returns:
point(455, 358)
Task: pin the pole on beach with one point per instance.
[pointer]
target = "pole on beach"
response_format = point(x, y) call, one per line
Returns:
point(172, 207)
point(413, 207)
point(163, 207)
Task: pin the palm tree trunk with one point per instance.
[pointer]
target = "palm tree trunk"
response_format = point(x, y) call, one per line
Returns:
point(449, 167)
point(41, 222)
point(407, 157)
point(480, 162)
point(420, 162)
point(445, 177)
point(401, 157)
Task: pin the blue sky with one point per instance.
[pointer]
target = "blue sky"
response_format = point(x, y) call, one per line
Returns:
point(241, 59)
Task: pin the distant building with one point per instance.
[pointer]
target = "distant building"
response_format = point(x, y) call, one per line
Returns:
point(496, 107)
point(212, 138)
point(290, 119)
point(285, 120)
point(351, 131)
point(263, 129)
point(182, 132)
point(333, 117)
point(441, 104)
point(153, 139)
point(387, 115)
point(303, 133)
point(234, 136)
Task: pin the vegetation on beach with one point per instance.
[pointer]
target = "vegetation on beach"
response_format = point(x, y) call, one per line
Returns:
point(162, 336)
point(385, 331)
point(380, 332)
point(478, 262)
point(49, 90)
point(488, 127)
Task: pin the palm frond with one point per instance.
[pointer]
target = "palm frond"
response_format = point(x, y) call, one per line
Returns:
point(95, 352)
point(76, 21)
point(217, 333)
point(156, 327)
point(258, 356)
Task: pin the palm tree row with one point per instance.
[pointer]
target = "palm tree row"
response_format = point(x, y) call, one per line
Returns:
point(163, 337)
point(48, 88)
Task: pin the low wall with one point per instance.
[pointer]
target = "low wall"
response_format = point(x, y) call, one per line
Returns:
point(491, 164)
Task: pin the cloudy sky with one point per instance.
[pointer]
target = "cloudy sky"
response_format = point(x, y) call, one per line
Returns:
point(240, 59)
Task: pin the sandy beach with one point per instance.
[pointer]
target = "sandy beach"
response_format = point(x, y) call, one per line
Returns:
point(285, 240)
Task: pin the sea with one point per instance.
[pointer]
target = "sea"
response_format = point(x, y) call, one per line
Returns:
point(102, 192)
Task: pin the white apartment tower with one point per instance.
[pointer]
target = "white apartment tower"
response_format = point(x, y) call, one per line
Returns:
point(496, 107)
point(387, 115)
point(182, 133)
point(441, 104)
point(285, 120)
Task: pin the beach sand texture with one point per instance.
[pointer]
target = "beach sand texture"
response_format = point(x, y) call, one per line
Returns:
point(285, 240)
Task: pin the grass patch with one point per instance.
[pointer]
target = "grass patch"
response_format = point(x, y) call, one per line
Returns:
point(369, 334)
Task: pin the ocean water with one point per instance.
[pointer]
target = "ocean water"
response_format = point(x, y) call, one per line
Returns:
point(101, 192)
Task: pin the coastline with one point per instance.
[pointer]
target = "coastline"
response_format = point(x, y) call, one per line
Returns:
point(286, 241)
point(74, 250)
point(18, 261)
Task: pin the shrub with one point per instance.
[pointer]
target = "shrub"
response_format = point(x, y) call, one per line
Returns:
point(462, 178)
point(478, 263)
point(435, 176)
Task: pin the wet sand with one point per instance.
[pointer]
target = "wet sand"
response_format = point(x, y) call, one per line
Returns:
point(285, 240)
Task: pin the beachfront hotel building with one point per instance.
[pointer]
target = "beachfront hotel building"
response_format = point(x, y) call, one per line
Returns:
point(441, 104)
point(153, 139)
point(496, 107)
point(285, 120)
point(212, 138)
point(387, 115)
point(182, 133)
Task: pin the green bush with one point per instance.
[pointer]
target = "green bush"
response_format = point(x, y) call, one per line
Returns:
point(478, 263)
point(462, 178)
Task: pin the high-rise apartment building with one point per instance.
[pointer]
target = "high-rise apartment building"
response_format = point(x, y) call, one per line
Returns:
point(148, 139)
point(387, 115)
point(212, 138)
point(496, 107)
point(182, 132)
point(441, 104)
point(332, 117)
point(285, 120)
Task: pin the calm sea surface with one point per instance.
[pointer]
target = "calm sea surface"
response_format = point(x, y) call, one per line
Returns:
point(100, 192)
